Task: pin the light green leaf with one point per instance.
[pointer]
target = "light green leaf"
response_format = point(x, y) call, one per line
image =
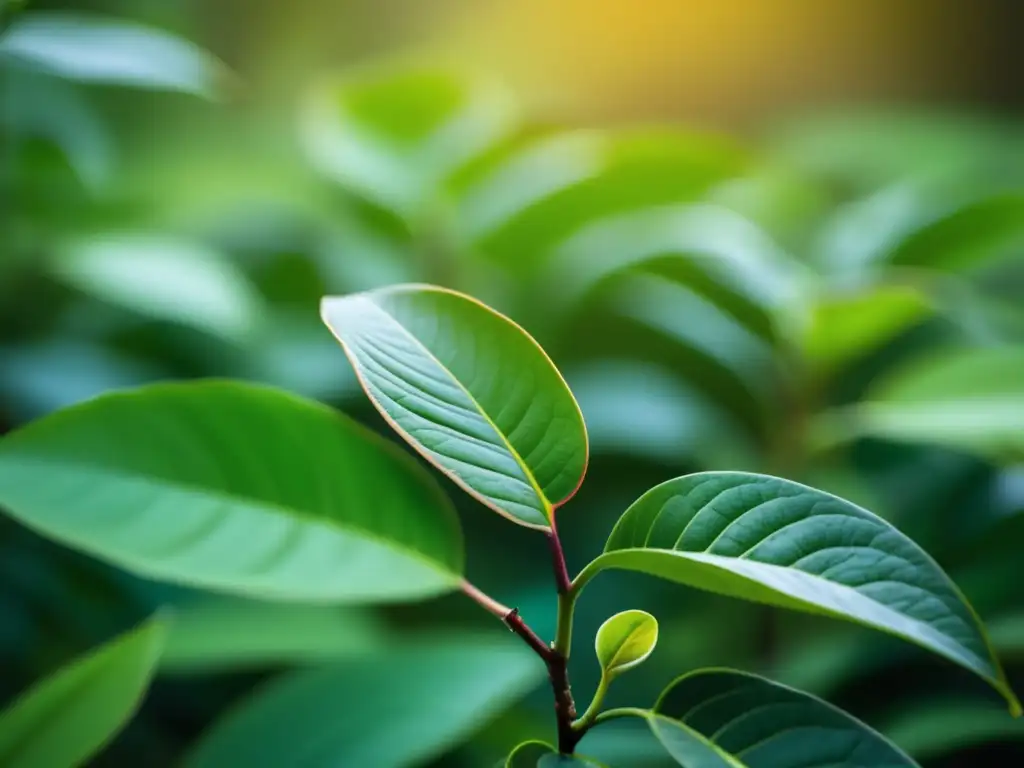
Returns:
point(545, 192)
point(940, 727)
point(225, 634)
point(720, 718)
point(471, 391)
point(65, 719)
point(778, 542)
point(236, 488)
point(99, 50)
point(970, 236)
point(970, 399)
point(400, 708)
point(528, 754)
point(625, 641)
point(166, 279)
point(395, 134)
point(845, 325)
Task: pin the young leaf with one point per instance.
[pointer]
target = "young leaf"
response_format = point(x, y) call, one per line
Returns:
point(625, 641)
point(98, 50)
point(401, 707)
point(237, 488)
point(471, 391)
point(970, 399)
point(720, 718)
point(68, 717)
point(774, 541)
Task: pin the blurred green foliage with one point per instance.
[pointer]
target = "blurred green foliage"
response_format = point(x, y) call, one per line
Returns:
point(840, 301)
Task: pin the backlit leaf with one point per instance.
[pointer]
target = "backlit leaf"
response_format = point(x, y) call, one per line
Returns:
point(471, 391)
point(625, 641)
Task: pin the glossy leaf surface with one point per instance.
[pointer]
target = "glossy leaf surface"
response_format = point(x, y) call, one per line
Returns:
point(471, 391)
point(625, 641)
point(726, 719)
point(236, 488)
point(774, 541)
point(65, 719)
point(399, 708)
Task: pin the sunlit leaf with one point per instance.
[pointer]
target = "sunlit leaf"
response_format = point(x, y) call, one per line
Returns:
point(164, 278)
point(778, 542)
point(99, 50)
point(548, 190)
point(236, 488)
point(968, 237)
point(399, 708)
point(227, 635)
point(720, 718)
point(471, 391)
point(847, 324)
point(395, 135)
point(625, 641)
point(68, 717)
point(965, 398)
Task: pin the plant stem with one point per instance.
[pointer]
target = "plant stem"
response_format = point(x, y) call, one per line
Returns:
point(613, 714)
point(587, 719)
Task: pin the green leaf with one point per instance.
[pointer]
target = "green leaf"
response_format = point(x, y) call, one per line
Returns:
point(528, 754)
point(65, 719)
point(625, 641)
point(547, 191)
point(395, 134)
point(236, 488)
point(720, 718)
point(846, 325)
point(970, 399)
point(166, 279)
point(939, 727)
point(97, 50)
point(225, 634)
point(968, 237)
point(471, 391)
point(778, 542)
point(402, 707)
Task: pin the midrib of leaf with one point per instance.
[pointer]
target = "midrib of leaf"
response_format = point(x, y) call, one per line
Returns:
point(162, 484)
point(546, 504)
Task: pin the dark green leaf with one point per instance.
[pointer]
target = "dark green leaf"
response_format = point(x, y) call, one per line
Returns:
point(399, 708)
point(720, 718)
point(774, 541)
point(471, 391)
point(68, 717)
point(234, 487)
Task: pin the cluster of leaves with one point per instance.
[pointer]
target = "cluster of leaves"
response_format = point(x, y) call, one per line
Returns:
point(842, 310)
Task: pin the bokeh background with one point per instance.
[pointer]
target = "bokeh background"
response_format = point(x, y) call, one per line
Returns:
point(785, 237)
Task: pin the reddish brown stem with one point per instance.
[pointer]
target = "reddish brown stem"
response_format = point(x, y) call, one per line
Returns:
point(562, 581)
